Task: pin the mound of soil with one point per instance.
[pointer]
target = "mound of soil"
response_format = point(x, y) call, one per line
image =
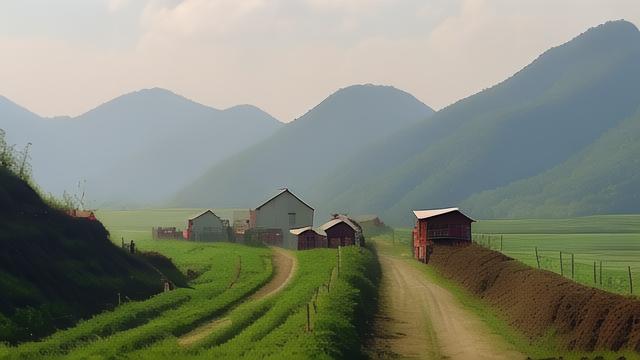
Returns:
point(538, 301)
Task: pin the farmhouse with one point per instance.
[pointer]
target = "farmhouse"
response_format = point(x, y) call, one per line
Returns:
point(275, 217)
point(445, 226)
point(207, 226)
point(310, 238)
point(342, 231)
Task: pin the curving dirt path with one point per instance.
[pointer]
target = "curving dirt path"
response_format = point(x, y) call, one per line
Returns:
point(284, 267)
point(420, 319)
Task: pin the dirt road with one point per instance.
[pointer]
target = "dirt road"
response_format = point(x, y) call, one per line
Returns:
point(284, 267)
point(420, 319)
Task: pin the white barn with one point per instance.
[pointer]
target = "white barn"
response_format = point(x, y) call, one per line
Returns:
point(281, 213)
point(207, 226)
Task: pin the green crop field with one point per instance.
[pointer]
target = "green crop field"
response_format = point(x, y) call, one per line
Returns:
point(611, 241)
point(227, 274)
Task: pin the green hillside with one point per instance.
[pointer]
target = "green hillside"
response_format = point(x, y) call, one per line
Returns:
point(55, 269)
point(603, 178)
point(306, 149)
point(552, 110)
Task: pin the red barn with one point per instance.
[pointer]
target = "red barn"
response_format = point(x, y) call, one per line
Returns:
point(446, 226)
point(310, 238)
point(342, 232)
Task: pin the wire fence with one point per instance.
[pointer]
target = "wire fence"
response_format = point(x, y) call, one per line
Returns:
point(594, 269)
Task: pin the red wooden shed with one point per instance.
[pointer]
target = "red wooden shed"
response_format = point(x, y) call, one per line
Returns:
point(310, 238)
point(445, 226)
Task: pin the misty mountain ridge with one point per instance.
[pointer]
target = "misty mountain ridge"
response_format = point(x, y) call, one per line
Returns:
point(343, 123)
point(125, 147)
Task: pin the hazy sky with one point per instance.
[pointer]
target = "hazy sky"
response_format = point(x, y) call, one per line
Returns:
point(65, 57)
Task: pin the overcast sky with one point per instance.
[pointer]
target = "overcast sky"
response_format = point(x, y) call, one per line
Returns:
point(65, 57)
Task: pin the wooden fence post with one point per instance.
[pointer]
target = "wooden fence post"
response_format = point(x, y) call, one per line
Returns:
point(500, 243)
point(561, 267)
point(308, 319)
point(489, 242)
point(119, 299)
point(572, 268)
point(537, 257)
point(594, 272)
point(630, 281)
point(600, 273)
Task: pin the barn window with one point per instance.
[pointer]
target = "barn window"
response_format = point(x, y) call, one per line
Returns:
point(292, 219)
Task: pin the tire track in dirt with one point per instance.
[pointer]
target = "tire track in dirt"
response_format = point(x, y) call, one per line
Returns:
point(284, 267)
point(420, 319)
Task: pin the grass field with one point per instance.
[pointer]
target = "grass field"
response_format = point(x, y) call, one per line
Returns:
point(227, 275)
point(611, 241)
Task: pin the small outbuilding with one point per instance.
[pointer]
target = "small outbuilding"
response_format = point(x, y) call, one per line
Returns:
point(342, 231)
point(310, 238)
point(207, 226)
point(443, 226)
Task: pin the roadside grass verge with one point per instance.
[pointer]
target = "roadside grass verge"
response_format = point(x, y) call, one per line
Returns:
point(541, 348)
point(143, 322)
point(256, 271)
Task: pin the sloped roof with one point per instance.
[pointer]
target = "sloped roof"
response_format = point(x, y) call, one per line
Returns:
point(204, 212)
point(331, 223)
point(282, 191)
point(299, 231)
point(425, 214)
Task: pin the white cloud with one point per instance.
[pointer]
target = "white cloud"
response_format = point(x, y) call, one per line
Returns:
point(116, 5)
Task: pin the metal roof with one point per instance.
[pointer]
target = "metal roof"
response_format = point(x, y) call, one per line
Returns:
point(282, 191)
point(299, 231)
point(425, 214)
point(331, 223)
point(204, 212)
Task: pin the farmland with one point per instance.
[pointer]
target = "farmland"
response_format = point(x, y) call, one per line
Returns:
point(319, 311)
point(610, 240)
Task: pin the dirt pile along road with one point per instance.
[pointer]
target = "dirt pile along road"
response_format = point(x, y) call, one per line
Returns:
point(285, 266)
point(537, 301)
point(423, 320)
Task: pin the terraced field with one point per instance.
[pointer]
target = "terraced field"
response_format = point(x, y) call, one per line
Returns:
point(253, 302)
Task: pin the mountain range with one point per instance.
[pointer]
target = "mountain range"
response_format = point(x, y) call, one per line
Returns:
point(556, 139)
point(496, 153)
point(137, 149)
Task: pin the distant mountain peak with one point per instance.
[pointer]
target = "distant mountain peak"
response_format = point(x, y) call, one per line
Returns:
point(365, 97)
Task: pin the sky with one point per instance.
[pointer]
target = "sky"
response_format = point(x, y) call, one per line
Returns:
point(66, 57)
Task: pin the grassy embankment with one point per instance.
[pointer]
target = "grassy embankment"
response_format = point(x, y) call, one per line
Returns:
point(135, 324)
point(611, 241)
point(261, 328)
point(398, 244)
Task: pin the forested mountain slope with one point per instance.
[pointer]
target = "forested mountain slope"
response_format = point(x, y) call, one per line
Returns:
point(308, 148)
point(553, 109)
